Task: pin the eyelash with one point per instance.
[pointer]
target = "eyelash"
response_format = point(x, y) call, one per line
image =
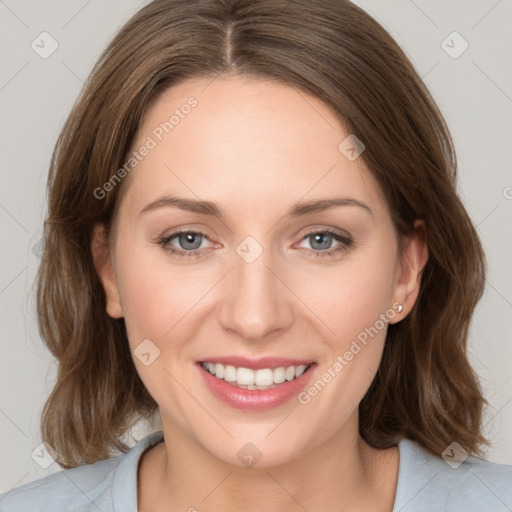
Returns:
point(346, 243)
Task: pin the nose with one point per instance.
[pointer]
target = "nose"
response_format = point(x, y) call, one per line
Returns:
point(255, 303)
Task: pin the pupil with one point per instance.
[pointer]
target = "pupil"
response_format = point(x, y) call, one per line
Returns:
point(188, 238)
point(319, 237)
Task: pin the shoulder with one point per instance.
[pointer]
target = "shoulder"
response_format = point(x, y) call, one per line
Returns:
point(452, 484)
point(76, 488)
point(91, 487)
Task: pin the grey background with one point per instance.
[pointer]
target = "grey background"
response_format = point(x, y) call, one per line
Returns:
point(474, 93)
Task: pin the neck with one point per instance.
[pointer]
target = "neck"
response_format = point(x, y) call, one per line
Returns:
point(344, 473)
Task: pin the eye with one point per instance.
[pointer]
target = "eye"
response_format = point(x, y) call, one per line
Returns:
point(189, 243)
point(321, 242)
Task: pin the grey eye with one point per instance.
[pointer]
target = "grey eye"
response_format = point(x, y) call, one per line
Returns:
point(189, 241)
point(320, 241)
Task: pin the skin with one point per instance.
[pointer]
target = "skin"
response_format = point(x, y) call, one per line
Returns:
point(255, 147)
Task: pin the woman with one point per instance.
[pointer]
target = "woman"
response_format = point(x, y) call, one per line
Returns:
point(253, 230)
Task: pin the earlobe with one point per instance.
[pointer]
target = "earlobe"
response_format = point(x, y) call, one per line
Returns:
point(103, 264)
point(413, 259)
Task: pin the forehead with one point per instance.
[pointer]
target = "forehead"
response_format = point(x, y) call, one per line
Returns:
point(246, 142)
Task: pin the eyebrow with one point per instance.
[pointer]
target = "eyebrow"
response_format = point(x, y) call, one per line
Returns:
point(208, 208)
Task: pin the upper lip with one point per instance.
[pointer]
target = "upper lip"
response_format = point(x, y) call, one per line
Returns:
point(256, 363)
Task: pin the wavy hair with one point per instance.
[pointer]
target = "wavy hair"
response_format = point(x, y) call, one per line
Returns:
point(425, 388)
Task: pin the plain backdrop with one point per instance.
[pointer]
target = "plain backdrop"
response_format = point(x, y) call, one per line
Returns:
point(472, 86)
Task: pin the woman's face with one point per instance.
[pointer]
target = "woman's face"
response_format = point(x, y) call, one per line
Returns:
point(265, 280)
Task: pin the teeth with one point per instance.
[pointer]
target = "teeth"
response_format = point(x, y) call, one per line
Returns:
point(229, 373)
point(219, 371)
point(246, 378)
point(300, 370)
point(264, 377)
point(279, 375)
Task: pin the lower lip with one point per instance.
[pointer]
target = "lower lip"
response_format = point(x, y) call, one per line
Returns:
point(255, 399)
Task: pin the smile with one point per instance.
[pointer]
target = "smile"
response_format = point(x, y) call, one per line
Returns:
point(255, 385)
point(246, 378)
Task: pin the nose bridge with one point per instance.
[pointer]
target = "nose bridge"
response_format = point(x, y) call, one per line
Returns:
point(257, 303)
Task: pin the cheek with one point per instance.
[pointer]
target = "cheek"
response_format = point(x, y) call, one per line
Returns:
point(155, 293)
point(158, 301)
point(356, 305)
point(351, 297)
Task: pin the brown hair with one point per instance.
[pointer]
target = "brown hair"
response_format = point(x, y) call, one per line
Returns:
point(425, 389)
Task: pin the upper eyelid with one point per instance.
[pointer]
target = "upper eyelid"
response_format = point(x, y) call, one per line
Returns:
point(335, 231)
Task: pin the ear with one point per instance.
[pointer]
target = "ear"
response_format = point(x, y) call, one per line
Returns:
point(103, 264)
point(412, 261)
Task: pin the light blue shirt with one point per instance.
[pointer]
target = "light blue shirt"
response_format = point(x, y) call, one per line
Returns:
point(425, 484)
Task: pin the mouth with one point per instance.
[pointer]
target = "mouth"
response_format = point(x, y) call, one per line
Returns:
point(260, 379)
point(255, 384)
